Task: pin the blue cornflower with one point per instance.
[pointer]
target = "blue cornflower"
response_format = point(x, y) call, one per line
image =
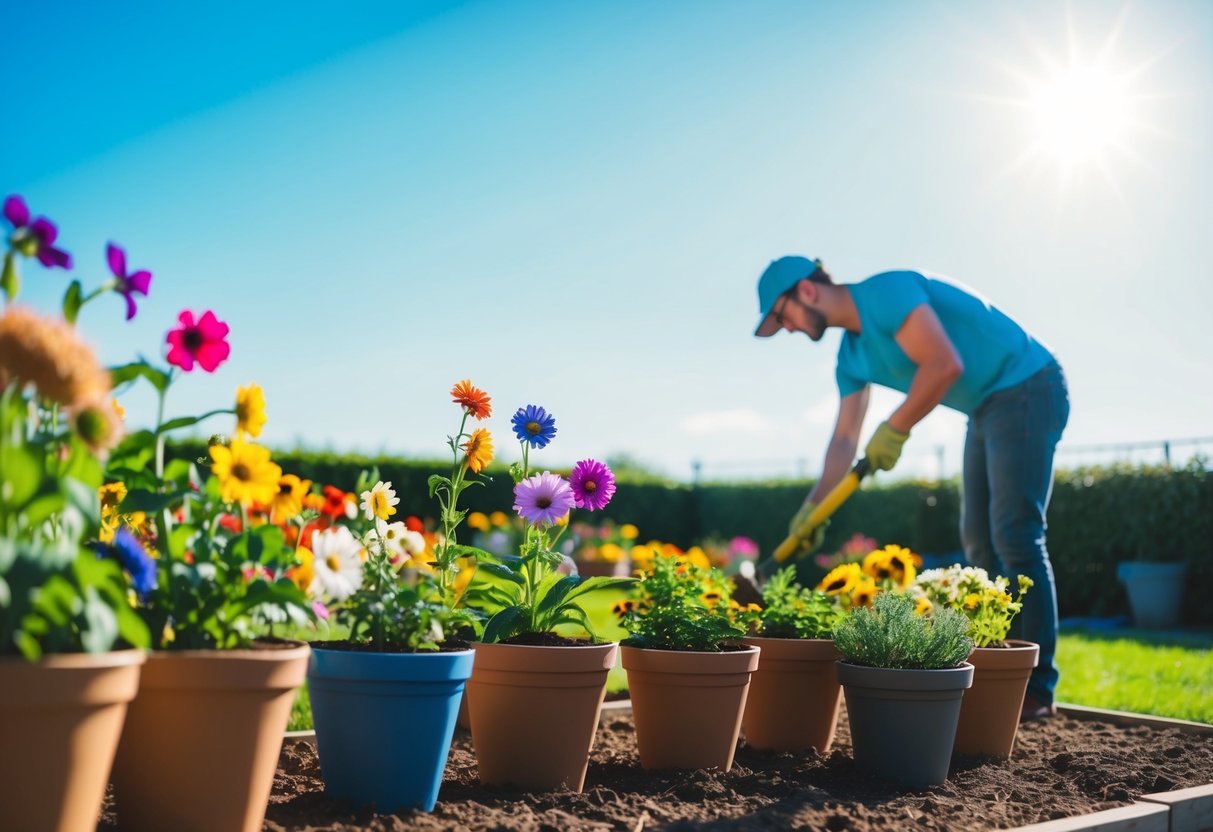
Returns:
point(533, 425)
point(135, 561)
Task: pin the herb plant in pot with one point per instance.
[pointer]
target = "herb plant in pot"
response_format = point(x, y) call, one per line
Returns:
point(903, 675)
point(530, 662)
point(221, 588)
point(794, 695)
point(67, 631)
point(688, 670)
point(989, 715)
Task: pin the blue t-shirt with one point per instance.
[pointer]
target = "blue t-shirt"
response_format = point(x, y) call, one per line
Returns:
point(997, 353)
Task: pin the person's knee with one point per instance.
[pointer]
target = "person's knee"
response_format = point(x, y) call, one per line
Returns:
point(1021, 549)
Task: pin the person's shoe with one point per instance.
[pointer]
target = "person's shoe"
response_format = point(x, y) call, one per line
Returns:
point(1035, 709)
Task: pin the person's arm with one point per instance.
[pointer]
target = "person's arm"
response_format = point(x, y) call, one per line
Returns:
point(840, 453)
point(924, 341)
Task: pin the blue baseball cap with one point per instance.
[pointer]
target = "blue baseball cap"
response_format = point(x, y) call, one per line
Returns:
point(780, 276)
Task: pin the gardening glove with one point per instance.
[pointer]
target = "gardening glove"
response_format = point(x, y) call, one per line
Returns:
point(884, 448)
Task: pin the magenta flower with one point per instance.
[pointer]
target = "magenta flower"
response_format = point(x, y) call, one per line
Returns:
point(593, 484)
point(543, 498)
point(201, 341)
point(128, 284)
point(34, 239)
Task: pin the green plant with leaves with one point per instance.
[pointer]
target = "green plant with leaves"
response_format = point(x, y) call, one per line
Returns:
point(790, 610)
point(525, 595)
point(678, 605)
point(970, 591)
point(890, 634)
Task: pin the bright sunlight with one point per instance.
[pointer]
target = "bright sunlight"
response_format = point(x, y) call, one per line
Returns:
point(1081, 113)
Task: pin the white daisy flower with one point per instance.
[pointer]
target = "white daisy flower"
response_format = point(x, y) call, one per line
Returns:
point(337, 562)
point(388, 535)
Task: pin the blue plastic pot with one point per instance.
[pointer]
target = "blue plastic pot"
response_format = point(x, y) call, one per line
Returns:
point(384, 723)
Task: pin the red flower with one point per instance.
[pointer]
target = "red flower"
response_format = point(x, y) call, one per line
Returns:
point(232, 523)
point(474, 400)
point(201, 341)
point(334, 502)
point(414, 524)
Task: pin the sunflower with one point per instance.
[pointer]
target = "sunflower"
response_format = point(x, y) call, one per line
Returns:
point(841, 580)
point(922, 605)
point(479, 450)
point(303, 573)
point(111, 495)
point(288, 502)
point(876, 565)
point(863, 593)
point(475, 401)
point(246, 474)
point(900, 561)
point(250, 410)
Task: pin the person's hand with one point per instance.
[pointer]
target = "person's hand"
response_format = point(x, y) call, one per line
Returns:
point(884, 448)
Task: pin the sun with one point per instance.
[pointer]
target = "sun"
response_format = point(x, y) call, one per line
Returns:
point(1081, 115)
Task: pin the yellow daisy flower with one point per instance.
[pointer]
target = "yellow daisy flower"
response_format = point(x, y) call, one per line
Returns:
point(841, 579)
point(111, 495)
point(250, 410)
point(610, 552)
point(288, 502)
point(478, 450)
point(303, 573)
point(629, 532)
point(246, 474)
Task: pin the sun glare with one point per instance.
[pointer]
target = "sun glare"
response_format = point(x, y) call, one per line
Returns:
point(1081, 114)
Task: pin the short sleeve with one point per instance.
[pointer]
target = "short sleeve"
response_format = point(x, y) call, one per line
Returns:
point(847, 383)
point(848, 373)
point(892, 296)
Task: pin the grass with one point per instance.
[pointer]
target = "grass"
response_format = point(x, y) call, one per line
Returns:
point(1165, 674)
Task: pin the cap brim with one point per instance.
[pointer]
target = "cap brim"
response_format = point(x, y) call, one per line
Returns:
point(767, 327)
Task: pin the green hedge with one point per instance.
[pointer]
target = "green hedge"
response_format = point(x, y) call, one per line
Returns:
point(1097, 517)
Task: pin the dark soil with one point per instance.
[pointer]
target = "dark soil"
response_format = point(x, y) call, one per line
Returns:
point(1060, 767)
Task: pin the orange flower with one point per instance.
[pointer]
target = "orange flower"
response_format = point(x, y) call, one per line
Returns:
point(475, 401)
point(479, 450)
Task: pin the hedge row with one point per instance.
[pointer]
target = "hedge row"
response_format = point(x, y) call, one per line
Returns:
point(1097, 517)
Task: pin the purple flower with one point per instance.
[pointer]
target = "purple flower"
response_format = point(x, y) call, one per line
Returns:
point(593, 484)
point(34, 239)
point(128, 284)
point(534, 425)
point(543, 498)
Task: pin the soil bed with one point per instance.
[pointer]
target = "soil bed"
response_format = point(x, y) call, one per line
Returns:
point(1060, 767)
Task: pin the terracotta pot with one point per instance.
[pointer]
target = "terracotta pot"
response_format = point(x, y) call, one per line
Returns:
point(534, 712)
point(989, 713)
point(60, 719)
point(202, 738)
point(688, 705)
point(794, 695)
point(464, 720)
point(903, 722)
point(384, 722)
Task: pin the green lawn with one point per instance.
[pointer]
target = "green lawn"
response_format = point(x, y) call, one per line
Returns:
point(1166, 674)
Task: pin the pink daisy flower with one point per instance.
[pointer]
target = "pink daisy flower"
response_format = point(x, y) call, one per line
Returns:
point(593, 484)
point(543, 498)
point(202, 341)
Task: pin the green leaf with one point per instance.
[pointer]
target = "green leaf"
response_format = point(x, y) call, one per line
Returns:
point(555, 596)
point(598, 584)
point(82, 464)
point(20, 476)
point(6, 594)
point(41, 508)
point(133, 452)
point(458, 550)
point(71, 301)
point(179, 538)
point(10, 280)
point(148, 502)
point(136, 369)
point(84, 497)
point(178, 470)
point(505, 623)
point(101, 623)
point(436, 480)
point(505, 573)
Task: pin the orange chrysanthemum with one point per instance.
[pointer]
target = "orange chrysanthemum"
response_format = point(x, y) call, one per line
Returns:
point(48, 354)
point(479, 450)
point(474, 400)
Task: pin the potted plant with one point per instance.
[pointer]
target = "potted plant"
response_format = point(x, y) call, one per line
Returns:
point(385, 699)
point(67, 667)
point(794, 694)
point(989, 714)
point(688, 670)
point(903, 675)
point(1155, 590)
point(523, 664)
point(220, 537)
point(603, 550)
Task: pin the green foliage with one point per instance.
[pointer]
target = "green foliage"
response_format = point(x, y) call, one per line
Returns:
point(56, 595)
point(890, 635)
point(794, 611)
point(681, 606)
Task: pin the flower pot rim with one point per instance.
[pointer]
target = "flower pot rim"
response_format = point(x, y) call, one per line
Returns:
point(784, 640)
point(960, 667)
point(318, 646)
point(746, 648)
point(290, 648)
point(496, 644)
point(109, 658)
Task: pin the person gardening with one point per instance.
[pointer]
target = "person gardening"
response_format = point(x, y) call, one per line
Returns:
point(941, 343)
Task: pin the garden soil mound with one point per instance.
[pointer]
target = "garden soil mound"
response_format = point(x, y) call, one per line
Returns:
point(1060, 767)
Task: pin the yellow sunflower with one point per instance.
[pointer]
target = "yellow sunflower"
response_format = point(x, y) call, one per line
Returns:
point(901, 562)
point(250, 410)
point(246, 474)
point(922, 605)
point(479, 450)
point(876, 565)
point(111, 495)
point(303, 573)
point(863, 593)
point(841, 580)
point(288, 502)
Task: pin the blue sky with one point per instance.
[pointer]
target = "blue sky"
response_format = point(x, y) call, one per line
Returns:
point(569, 203)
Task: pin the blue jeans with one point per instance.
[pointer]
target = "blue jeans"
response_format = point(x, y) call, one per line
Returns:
point(1008, 478)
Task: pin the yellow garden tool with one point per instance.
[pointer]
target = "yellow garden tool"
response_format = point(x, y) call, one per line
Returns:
point(837, 496)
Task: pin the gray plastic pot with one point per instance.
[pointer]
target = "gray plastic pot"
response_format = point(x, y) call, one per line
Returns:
point(903, 722)
point(1155, 590)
